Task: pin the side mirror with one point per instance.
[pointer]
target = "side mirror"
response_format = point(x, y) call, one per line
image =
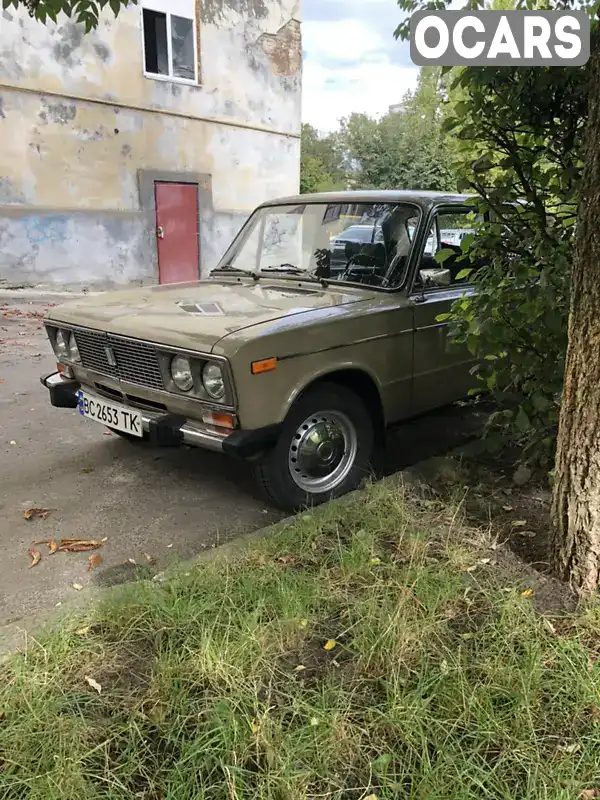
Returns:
point(435, 277)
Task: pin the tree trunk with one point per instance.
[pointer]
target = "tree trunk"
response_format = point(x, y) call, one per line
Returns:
point(576, 499)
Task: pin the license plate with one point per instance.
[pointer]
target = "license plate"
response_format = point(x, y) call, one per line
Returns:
point(113, 415)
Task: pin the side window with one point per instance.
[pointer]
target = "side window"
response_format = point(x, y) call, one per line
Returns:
point(443, 259)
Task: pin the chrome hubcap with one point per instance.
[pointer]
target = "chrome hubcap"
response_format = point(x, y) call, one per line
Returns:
point(322, 451)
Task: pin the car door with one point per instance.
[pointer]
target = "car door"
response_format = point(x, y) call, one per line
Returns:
point(442, 369)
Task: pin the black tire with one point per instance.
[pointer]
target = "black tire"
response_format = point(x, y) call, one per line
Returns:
point(273, 470)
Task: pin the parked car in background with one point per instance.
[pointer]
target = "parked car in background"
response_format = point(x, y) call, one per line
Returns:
point(295, 355)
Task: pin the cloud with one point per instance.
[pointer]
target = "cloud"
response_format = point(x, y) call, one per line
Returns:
point(351, 60)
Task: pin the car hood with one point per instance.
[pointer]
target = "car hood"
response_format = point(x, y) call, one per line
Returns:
point(197, 315)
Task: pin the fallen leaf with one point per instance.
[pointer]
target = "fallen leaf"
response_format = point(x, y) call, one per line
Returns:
point(444, 668)
point(314, 722)
point(30, 513)
point(132, 561)
point(484, 560)
point(335, 663)
point(52, 546)
point(519, 523)
point(87, 469)
point(83, 631)
point(303, 623)
point(522, 476)
point(94, 684)
point(589, 794)
point(329, 645)
point(569, 748)
point(78, 545)
point(149, 559)
point(94, 561)
point(77, 586)
point(527, 593)
point(253, 726)
point(35, 557)
point(375, 561)
point(549, 625)
point(507, 508)
point(300, 668)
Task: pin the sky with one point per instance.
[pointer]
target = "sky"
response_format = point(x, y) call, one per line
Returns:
point(351, 60)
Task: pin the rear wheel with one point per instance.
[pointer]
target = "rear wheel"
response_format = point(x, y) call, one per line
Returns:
point(323, 451)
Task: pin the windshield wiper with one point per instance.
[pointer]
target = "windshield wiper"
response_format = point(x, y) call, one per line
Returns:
point(231, 268)
point(291, 269)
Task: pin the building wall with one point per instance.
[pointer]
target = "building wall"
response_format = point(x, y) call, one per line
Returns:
point(80, 127)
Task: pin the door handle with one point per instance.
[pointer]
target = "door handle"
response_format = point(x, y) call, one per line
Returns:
point(160, 232)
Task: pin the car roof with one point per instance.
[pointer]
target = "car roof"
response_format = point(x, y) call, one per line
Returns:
point(420, 198)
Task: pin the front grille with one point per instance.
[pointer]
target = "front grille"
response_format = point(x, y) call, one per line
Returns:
point(91, 346)
point(136, 362)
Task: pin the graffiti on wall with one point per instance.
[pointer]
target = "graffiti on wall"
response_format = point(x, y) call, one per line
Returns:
point(46, 229)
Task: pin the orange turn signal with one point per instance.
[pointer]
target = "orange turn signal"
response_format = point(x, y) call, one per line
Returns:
point(266, 365)
point(60, 367)
point(219, 420)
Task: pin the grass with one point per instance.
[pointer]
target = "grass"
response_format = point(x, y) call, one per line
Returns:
point(444, 682)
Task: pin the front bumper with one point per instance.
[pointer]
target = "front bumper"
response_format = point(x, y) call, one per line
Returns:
point(170, 430)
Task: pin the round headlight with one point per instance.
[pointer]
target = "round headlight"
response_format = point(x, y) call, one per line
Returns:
point(61, 347)
point(212, 378)
point(74, 350)
point(181, 372)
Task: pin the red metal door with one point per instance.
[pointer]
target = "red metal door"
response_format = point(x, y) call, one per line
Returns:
point(177, 232)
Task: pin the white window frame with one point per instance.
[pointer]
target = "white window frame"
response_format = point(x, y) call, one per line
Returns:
point(177, 8)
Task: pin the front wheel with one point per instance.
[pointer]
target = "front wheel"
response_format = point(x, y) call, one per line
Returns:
point(323, 451)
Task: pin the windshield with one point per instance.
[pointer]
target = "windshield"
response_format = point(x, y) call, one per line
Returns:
point(365, 243)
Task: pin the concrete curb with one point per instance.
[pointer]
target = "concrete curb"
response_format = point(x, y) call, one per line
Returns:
point(18, 635)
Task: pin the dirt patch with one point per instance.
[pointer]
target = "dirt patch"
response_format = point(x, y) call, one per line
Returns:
point(516, 520)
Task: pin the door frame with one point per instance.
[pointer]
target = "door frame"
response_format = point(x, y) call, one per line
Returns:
point(421, 299)
point(147, 180)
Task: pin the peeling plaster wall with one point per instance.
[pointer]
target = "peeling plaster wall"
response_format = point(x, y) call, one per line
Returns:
point(78, 119)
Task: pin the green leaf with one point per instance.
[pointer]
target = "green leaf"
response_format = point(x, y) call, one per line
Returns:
point(540, 402)
point(443, 317)
point(443, 255)
point(472, 344)
point(464, 273)
point(522, 421)
point(461, 108)
point(382, 763)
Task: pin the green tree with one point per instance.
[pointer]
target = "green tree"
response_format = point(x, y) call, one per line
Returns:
point(85, 11)
point(405, 149)
point(322, 162)
point(552, 190)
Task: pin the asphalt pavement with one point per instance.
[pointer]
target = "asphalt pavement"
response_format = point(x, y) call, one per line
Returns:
point(152, 505)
